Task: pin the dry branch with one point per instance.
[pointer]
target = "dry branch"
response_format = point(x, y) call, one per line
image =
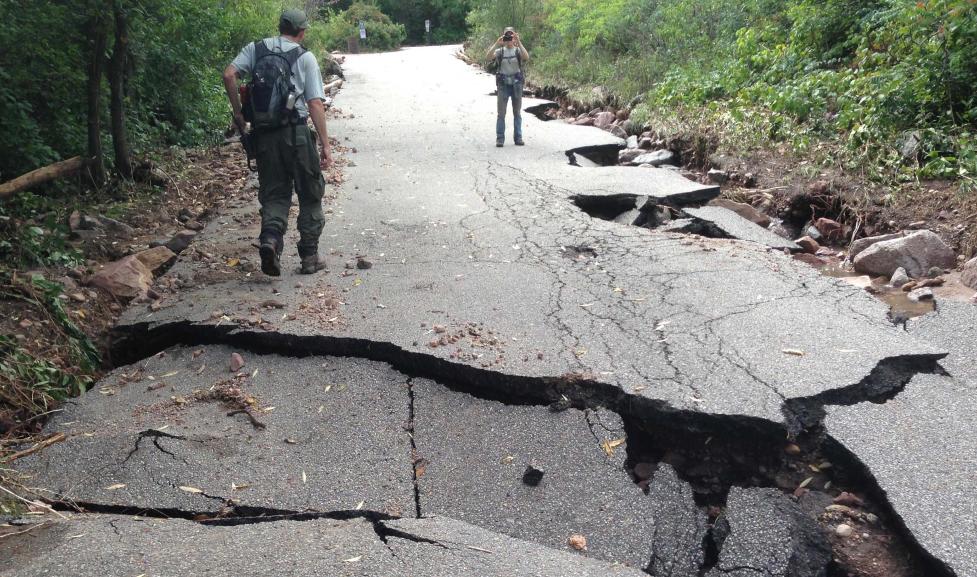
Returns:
point(42, 175)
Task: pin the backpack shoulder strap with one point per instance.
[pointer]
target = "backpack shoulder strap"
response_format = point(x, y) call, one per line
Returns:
point(260, 50)
point(293, 55)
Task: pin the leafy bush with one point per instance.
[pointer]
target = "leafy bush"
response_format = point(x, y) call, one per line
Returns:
point(32, 233)
point(860, 74)
point(177, 50)
point(381, 32)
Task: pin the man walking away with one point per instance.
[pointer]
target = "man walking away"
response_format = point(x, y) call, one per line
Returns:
point(284, 91)
point(510, 56)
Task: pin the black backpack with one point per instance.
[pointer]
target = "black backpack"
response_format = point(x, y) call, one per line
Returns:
point(270, 87)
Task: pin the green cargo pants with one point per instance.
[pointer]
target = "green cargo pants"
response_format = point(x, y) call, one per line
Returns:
point(285, 156)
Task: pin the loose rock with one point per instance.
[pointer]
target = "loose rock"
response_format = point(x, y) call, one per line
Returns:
point(627, 156)
point(657, 158)
point(969, 275)
point(156, 258)
point(808, 244)
point(718, 176)
point(844, 530)
point(899, 278)
point(237, 362)
point(181, 240)
point(921, 294)
point(577, 542)
point(830, 229)
point(916, 253)
point(604, 119)
point(125, 278)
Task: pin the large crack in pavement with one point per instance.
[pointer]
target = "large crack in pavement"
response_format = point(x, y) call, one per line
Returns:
point(672, 435)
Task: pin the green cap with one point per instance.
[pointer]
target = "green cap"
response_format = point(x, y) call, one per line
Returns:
point(296, 18)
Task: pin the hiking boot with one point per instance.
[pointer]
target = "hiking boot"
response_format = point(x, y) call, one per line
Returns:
point(499, 142)
point(312, 264)
point(270, 252)
point(519, 142)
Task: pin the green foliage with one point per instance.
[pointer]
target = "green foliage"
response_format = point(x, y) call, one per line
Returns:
point(32, 233)
point(34, 385)
point(381, 32)
point(855, 75)
point(174, 94)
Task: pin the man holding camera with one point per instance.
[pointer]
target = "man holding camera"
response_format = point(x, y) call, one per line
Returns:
point(509, 55)
point(286, 78)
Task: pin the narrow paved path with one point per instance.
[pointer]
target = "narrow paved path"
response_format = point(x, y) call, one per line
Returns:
point(484, 351)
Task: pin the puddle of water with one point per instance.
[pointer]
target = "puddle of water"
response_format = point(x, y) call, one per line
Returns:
point(898, 300)
point(900, 304)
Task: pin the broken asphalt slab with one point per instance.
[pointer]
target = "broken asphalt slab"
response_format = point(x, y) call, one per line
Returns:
point(114, 545)
point(464, 550)
point(543, 475)
point(763, 533)
point(919, 446)
point(312, 434)
point(724, 223)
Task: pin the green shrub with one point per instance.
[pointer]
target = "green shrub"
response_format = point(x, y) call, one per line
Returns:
point(337, 27)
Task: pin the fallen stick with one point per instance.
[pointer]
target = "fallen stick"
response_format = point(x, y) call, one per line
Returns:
point(56, 438)
point(41, 175)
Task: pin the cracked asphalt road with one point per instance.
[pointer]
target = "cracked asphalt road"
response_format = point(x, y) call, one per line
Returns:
point(498, 320)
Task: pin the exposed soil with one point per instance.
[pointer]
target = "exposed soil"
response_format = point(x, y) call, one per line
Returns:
point(197, 182)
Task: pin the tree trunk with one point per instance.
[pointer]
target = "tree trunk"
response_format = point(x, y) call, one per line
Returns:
point(97, 38)
point(117, 71)
point(41, 175)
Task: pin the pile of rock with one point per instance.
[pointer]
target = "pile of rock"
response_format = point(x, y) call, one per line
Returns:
point(605, 119)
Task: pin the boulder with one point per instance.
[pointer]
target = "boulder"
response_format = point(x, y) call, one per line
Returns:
point(604, 119)
point(745, 210)
point(969, 275)
point(588, 121)
point(156, 258)
point(645, 143)
point(657, 158)
point(126, 278)
point(916, 253)
point(808, 245)
point(181, 240)
point(863, 243)
point(618, 131)
point(632, 141)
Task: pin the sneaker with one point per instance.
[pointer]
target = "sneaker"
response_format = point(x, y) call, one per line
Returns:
point(312, 264)
point(499, 143)
point(270, 258)
point(519, 142)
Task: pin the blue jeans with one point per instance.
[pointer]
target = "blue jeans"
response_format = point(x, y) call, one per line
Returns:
point(507, 91)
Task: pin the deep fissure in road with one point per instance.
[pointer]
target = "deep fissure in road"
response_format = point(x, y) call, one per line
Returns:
point(711, 453)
